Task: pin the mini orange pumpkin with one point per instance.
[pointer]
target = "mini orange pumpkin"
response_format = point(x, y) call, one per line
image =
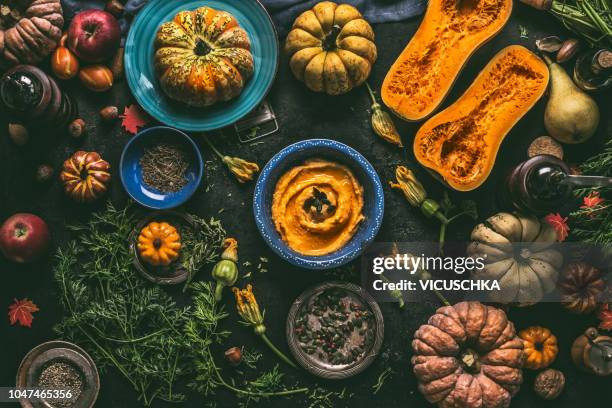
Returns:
point(540, 347)
point(159, 243)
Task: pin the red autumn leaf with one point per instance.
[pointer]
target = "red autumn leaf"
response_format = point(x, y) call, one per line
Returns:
point(133, 118)
point(605, 315)
point(21, 311)
point(559, 224)
point(592, 200)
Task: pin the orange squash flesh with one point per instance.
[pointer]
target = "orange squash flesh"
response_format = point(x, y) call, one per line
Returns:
point(425, 71)
point(461, 142)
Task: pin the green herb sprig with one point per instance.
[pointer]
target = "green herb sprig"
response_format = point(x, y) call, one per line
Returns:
point(122, 321)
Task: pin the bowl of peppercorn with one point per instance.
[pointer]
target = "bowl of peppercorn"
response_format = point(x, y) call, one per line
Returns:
point(161, 168)
point(335, 330)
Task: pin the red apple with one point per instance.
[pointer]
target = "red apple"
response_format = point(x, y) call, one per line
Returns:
point(24, 237)
point(94, 35)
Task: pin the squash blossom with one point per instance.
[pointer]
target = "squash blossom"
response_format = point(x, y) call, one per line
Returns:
point(415, 193)
point(382, 123)
point(248, 309)
point(225, 272)
point(242, 169)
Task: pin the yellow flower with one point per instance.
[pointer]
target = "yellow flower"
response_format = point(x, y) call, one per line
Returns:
point(411, 187)
point(383, 125)
point(242, 169)
point(248, 309)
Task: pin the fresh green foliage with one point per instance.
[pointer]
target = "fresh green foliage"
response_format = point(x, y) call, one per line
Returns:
point(323, 398)
point(447, 207)
point(202, 333)
point(200, 245)
point(590, 18)
point(381, 380)
point(123, 321)
point(594, 225)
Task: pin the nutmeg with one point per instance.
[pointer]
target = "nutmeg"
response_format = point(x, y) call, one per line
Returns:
point(545, 145)
point(64, 63)
point(44, 172)
point(77, 128)
point(97, 78)
point(18, 133)
point(233, 356)
point(109, 113)
point(549, 384)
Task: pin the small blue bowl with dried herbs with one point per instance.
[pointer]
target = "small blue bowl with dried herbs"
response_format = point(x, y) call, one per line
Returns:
point(353, 167)
point(161, 168)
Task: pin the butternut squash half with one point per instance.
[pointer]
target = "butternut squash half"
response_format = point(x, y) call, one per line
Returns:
point(461, 142)
point(449, 34)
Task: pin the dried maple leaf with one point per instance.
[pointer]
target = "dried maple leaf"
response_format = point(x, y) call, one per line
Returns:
point(559, 224)
point(605, 315)
point(21, 311)
point(592, 200)
point(133, 118)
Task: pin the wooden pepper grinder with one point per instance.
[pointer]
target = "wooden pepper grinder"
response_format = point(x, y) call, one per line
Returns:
point(592, 352)
point(34, 98)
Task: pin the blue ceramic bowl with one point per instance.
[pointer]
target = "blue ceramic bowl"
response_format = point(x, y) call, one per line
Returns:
point(374, 202)
point(140, 73)
point(131, 171)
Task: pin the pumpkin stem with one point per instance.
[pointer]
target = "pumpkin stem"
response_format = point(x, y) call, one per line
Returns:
point(471, 361)
point(157, 243)
point(329, 43)
point(83, 174)
point(201, 48)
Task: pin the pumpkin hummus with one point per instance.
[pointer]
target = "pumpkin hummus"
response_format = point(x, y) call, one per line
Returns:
point(317, 207)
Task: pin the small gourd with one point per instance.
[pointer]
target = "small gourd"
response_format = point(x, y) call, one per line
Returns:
point(225, 271)
point(159, 244)
point(540, 347)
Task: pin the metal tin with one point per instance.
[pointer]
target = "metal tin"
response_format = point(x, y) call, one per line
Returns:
point(325, 370)
point(59, 351)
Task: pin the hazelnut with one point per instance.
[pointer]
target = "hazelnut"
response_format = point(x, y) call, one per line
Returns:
point(18, 133)
point(234, 356)
point(77, 128)
point(109, 113)
point(549, 384)
point(44, 172)
point(114, 7)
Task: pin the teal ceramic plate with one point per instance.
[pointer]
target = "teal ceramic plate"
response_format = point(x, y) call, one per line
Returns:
point(141, 78)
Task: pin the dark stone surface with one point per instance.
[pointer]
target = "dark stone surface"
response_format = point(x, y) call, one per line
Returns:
point(302, 114)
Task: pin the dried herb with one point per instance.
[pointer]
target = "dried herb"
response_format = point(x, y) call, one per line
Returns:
point(164, 167)
point(61, 376)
